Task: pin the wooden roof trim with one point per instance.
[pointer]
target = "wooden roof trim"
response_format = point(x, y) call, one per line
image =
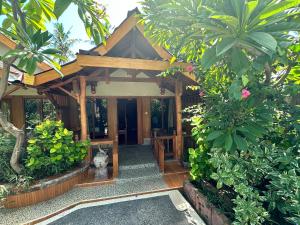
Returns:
point(163, 53)
point(117, 35)
point(126, 63)
point(50, 75)
point(121, 32)
point(12, 45)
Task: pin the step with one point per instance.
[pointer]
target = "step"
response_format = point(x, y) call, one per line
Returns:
point(138, 166)
point(138, 173)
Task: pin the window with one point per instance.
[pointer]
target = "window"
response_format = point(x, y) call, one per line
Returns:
point(37, 110)
point(97, 118)
point(162, 115)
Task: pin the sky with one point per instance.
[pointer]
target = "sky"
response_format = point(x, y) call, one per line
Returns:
point(116, 10)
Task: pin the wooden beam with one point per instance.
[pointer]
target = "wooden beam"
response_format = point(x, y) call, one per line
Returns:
point(128, 79)
point(117, 35)
point(126, 63)
point(53, 75)
point(60, 84)
point(76, 97)
point(11, 91)
point(178, 102)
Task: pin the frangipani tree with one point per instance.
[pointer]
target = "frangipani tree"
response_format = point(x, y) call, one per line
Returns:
point(246, 56)
point(243, 32)
point(25, 23)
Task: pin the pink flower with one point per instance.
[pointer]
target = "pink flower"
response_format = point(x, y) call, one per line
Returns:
point(201, 93)
point(245, 93)
point(189, 68)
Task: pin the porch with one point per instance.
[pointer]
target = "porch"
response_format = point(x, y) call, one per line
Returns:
point(108, 95)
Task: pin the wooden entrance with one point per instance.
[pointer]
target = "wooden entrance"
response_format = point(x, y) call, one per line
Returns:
point(127, 121)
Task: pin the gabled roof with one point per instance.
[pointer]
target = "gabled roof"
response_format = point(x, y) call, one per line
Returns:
point(101, 55)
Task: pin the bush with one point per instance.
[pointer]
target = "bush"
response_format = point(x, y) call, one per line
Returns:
point(7, 143)
point(52, 150)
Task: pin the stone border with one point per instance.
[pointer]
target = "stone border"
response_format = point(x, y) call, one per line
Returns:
point(47, 189)
point(206, 210)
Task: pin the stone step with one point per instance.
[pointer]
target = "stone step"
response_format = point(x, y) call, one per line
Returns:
point(135, 173)
point(138, 166)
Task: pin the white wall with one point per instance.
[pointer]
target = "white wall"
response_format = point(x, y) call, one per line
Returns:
point(127, 88)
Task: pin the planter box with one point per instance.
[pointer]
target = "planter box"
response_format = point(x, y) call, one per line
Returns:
point(206, 210)
point(46, 190)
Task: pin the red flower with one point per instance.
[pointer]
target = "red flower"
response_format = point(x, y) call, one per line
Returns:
point(245, 93)
point(189, 68)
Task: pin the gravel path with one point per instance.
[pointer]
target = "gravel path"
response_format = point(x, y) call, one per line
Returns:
point(134, 184)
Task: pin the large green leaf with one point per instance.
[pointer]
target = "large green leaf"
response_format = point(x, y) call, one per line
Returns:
point(264, 39)
point(239, 61)
point(228, 141)
point(240, 142)
point(209, 58)
point(276, 8)
point(225, 45)
point(214, 135)
point(60, 6)
point(250, 7)
point(230, 21)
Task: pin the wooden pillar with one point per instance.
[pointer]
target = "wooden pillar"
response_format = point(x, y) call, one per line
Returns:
point(113, 132)
point(146, 118)
point(178, 102)
point(82, 103)
point(18, 111)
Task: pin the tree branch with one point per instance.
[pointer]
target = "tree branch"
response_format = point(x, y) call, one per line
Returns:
point(268, 72)
point(283, 77)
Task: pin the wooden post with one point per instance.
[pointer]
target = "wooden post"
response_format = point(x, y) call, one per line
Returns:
point(178, 94)
point(113, 133)
point(82, 102)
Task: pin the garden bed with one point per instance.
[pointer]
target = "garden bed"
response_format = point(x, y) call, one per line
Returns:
point(207, 210)
point(47, 189)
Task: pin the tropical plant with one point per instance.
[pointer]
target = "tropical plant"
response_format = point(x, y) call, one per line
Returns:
point(52, 150)
point(7, 143)
point(62, 41)
point(25, 23)
point(246, 56)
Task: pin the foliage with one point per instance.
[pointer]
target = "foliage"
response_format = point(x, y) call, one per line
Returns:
point(52, 150)
point(246, 56)
point(7, 143)
point(62, 41)
point(25, 22)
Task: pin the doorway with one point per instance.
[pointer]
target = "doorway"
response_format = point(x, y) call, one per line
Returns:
point(127, 121)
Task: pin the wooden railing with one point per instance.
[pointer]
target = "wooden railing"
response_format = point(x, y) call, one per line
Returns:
point(160, 144)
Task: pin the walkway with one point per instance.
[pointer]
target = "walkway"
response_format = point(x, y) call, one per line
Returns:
point(138, 173)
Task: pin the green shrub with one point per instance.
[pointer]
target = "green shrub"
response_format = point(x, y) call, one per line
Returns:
point(7, 143)
point(52, 150)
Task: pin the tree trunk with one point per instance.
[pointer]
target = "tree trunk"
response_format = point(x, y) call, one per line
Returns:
point(19, 134)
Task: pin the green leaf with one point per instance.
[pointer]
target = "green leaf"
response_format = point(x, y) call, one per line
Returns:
point(209, 58)
point(250, 7)
point(227, 19)
point(264, 39)
point(276, 8)
point(235, 90)
point(240, 142)
point(51, 51)
point(228, 141)
point(225, 45)
point(214, 135)
point(61, 6)
point(239, 61)
point(245, 80)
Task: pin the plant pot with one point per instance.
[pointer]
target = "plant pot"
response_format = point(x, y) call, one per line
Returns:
point(205, 209)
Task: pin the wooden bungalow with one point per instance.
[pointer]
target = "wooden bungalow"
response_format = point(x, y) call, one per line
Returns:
point(110, 93)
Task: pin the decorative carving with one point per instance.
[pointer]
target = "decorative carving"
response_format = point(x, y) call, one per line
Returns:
point(101, 161)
